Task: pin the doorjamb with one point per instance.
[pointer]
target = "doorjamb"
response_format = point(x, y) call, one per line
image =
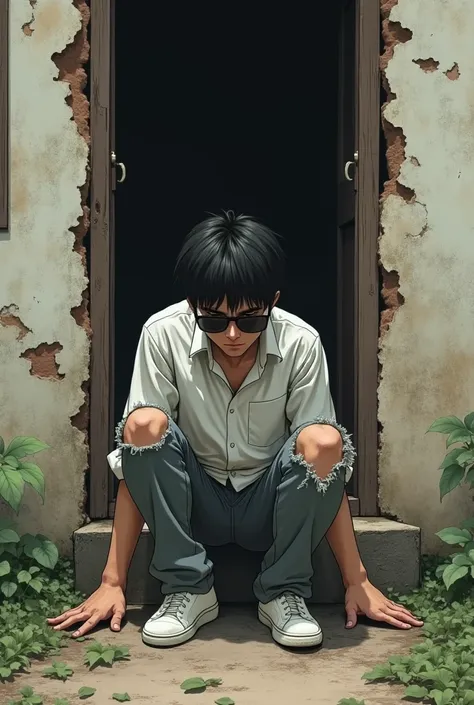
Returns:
point(366, 252)
point(101, 253)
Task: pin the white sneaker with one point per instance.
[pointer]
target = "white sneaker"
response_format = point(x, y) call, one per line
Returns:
point(179, 618)
point(290, 622)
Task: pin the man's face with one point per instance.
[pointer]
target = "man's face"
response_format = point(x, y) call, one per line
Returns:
point(233, 341)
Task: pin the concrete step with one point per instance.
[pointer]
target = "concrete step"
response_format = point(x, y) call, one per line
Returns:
point(390, 551)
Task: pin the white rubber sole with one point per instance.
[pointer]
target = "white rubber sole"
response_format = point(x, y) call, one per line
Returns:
point(283, 639)
point(209, 615)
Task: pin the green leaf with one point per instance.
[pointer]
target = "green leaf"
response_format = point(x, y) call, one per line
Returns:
point(213, 682)
point(468, 697)
point(36, 584)
point(11, 461)
point(450, 479)
point(121, 652)
point(2, 445)
point(452, 535)
point(5, 672)
point(4, 568)
point(469, 421)
point(121, 697)
point(8, 536)
point(451, 457)
point(462, 559)
point(351, 701)
point(459, 436)
point(11, 486)
point(92, 658)
point(33, 569)
point(224, 701)
point(33, 475)
point(108, 656)
point(416, 691)
point(46, 553)
point(8, 588)
point(85, 692)
point(452, 573)
point(466, 457)
point(27, 691)
point(25, 445)
point(377, 673)
point(193, 684)
point(24, 576)
point(446, 424)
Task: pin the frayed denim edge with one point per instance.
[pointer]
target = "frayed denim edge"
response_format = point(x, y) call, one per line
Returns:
point(347, 462)
point(140, 449)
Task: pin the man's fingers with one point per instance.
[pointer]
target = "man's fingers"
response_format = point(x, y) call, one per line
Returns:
point(72, 620)
point(403, 616)
point(116, 621)
point(87, 626)
point(380, 616)
point(401, 608)
point(65, 615)
point(351, 620)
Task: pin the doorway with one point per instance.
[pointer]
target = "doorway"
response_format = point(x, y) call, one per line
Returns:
point(210, 114)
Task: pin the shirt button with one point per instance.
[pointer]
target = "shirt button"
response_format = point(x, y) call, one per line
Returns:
point(232, 411)
point(232, 445)
point(233, 474)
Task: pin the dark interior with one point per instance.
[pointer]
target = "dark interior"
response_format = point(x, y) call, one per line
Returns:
point(221, 112)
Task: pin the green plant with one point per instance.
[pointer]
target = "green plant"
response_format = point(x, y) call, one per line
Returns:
point(59, 670)
point(351, 701)
point(38, 585)
point(15, 470)
point(193, 685)
point(99, 655)
point(121, 697)
point(85, 692)
point(28, 697)
point(457, 467)
point(224, 701)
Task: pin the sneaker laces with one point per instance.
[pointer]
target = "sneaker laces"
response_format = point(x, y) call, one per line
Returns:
point(294, 605)
point(173, 605)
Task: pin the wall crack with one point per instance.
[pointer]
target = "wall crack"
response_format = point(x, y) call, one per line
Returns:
point(43, 362)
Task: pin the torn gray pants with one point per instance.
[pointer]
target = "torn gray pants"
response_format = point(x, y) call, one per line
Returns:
point(186, 509)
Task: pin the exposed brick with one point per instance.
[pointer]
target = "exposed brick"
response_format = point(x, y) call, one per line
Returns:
point(43, 360)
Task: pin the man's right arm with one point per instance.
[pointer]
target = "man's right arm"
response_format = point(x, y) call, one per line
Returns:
point(127, 526)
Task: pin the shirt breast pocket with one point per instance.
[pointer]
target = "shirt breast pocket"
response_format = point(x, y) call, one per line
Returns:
point(267, 421)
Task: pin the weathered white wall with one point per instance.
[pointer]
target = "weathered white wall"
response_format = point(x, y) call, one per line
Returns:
point(42, 279)
point(428, 352)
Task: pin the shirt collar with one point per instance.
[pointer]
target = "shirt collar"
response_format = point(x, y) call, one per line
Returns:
point(268, 344)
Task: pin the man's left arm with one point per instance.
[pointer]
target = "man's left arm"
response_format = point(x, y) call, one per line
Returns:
point(309, 400)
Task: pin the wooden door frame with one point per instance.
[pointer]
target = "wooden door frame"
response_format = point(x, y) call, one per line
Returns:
point(367, 279)
point(102, 255)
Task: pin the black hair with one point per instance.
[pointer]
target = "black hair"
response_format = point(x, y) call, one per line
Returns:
point(233, 257)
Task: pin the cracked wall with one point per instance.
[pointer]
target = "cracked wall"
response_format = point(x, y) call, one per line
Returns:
point(44, 327)
point(427, 254)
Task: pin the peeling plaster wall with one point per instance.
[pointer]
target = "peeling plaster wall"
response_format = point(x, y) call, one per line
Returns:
point(44, 333)
point(427, 254)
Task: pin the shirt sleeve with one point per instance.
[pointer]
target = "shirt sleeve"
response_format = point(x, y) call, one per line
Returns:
point(152, 384)
point(309, 394)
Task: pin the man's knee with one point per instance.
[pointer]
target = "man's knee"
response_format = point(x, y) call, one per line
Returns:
point(145, 426)
point(321, 447)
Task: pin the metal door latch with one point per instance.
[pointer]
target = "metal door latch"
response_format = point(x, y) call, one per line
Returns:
point(348, 166)
point(121, 165)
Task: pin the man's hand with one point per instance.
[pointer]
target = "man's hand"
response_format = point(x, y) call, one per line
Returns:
point(364, 598)
point(107, 602)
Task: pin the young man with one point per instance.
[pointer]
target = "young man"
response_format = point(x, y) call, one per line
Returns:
point(229, 436)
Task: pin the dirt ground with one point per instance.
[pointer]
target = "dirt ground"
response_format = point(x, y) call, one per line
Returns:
point(238, 649)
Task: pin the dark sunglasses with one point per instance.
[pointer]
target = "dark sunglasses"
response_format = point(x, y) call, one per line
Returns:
point(218, 324)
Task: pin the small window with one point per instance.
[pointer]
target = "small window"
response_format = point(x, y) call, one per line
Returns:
point(4, 116)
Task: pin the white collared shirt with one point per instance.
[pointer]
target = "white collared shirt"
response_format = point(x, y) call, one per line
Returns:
point(234, 436)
